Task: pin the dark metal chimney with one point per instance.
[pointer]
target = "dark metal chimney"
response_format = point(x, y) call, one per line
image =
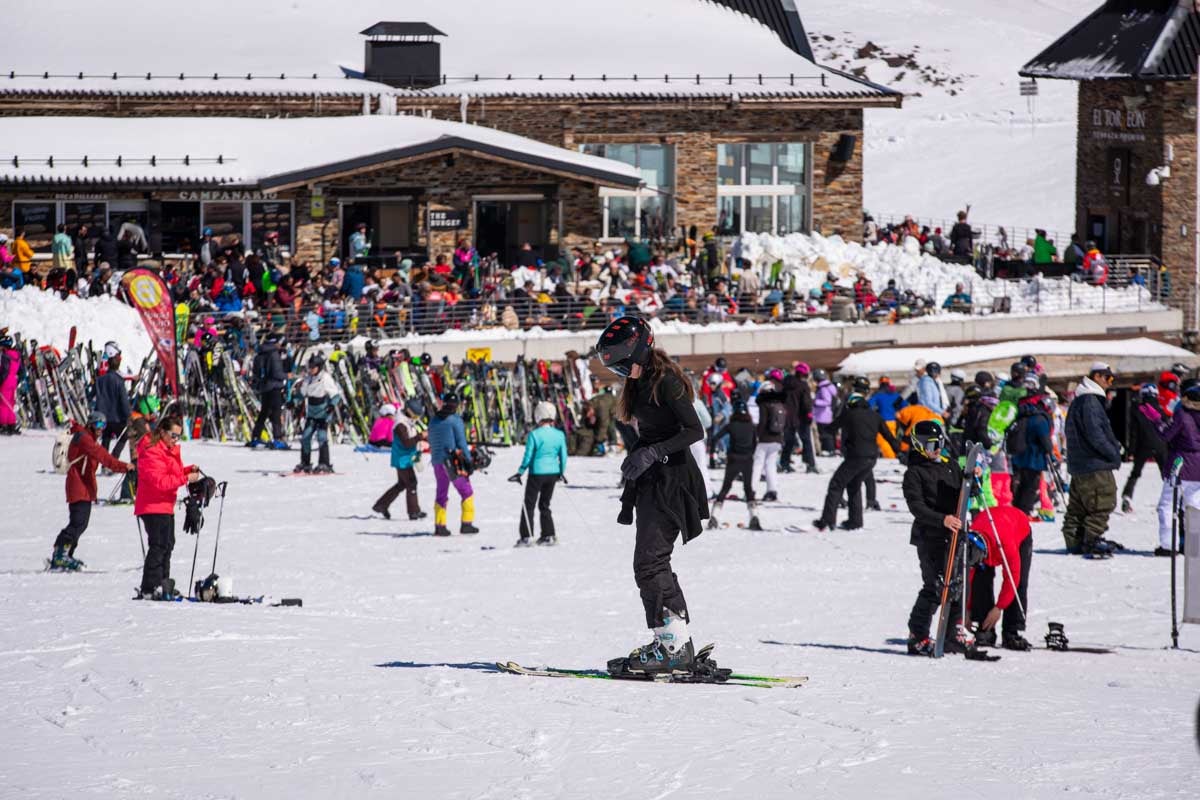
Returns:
point(403, 54)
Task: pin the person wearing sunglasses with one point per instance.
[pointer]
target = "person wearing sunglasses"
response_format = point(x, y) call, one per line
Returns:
point(161, 474)
point(1093, 457)
point(85, 455)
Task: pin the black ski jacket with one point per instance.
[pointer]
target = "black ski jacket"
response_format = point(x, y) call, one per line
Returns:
point(766, 399)
point(112, 400)
point(931, 490)
point(1144, 439)
point(269, 373)
point(743, 437)
point(859, 426)
point(975, 418)
point(798, 398)
point(106, 249)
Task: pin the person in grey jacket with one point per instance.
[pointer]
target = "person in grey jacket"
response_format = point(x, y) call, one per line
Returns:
point(1093, 456)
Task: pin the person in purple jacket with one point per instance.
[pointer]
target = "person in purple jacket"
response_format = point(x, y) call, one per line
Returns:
point(1182, 436)
point(824, 401)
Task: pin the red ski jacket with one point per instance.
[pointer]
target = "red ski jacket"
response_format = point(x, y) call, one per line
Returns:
point(161, 473)
point(1004, 528)
point(84, 457)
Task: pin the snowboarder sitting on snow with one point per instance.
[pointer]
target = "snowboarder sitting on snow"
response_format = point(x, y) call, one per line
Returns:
point(448, 443)
point(1009, 539)
point(84, 457)
point(546, 460)
point(321, 395)
point(931, 486)
point(743, 441)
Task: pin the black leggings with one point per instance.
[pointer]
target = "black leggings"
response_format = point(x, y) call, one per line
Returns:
point(735, 467)
point(931, 553)
point(652, 560)
point(983, 598)
point(272, 406)
point(160, 533)
point(77, 522)
point(539, 489)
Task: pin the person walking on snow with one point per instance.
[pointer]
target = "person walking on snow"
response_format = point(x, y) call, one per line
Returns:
point(269, 378)
point(84, 457)
point(381, 429)
point(859, 425)
point(668, 488)
point(772, 422)
point(823, 407)
point(321, 395)
point(1145, 441)
point(405, 441)
point(448, 445)
point(743, 445)
point(799, 404)
point(161, 473)
point(546, 460)
point(1182, 437)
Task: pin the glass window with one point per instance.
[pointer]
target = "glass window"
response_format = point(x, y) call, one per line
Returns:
point(225, 219)
point(625, 153)
point(790, 158)
point(729, 164)
point(271, 216)
point(791, 214)
point(180, 227)
point(729, 216)
point(622, 217)
point(655, 163)
point(94, 215)
point(655, 217)
point(592, 149)
point(38, 220)
point(396, 226)
point(758, 214)
point(758, 164)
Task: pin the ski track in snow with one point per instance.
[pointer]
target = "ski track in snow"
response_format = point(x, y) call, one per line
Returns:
point(382, 685)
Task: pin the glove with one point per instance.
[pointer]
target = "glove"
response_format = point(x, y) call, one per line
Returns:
point(193, 519)
point(563, 478)
point(639, 461)
point(515, 478)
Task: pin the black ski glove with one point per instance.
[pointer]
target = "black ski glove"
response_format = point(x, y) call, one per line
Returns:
point(563, 478)
point(193, 518)
point(639, 461)
point(515, 478)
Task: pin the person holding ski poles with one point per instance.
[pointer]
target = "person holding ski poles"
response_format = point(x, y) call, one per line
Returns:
point(405, 441)
point(84, 456)
point(1182, 437)
point(546, 459)
point(447, 448)
point(321, 395)
point(161, 474)
point(1009, 544)
point(668, 487)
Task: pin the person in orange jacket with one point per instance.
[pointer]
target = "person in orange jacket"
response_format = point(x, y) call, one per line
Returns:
point(84, 456)
point(22, 252)
point(909, 416)
point(161, 474)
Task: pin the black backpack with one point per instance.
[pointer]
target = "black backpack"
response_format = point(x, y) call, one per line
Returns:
point(1016, 439)
point(776, 418)
point(262, 364)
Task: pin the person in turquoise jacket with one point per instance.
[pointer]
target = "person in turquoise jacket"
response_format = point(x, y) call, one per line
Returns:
point(546, 460)
point(406, 439)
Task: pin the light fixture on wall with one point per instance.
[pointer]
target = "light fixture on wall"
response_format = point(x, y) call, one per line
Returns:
point(1156, 176)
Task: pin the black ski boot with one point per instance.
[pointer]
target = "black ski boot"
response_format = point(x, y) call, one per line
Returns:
point(468, 528)
point(770, 497)
point(846, 526)
point(441, 530)
point(305, 464)
point(418, 515)
point(1056, 639)
point(922, 646)
point(821, 525)
point(524, 541)
point(547, 541)
point(381, 511)
point(985, 638)
point(62, 561)
point(1015, 641)
point(1126, 505)
point(755, 525)
point(811, 469)
point(1164, 552)
point(874, 506)
point(324, 465)
point(654, 659)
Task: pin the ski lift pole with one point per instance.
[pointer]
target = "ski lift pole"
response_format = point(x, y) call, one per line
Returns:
point(220, 513)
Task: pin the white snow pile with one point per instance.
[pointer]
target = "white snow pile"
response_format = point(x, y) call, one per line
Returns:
point(46, 317)
point(810, 257)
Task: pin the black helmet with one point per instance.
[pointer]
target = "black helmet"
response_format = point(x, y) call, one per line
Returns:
point(972, 391)
point(1029, 361)
point(1018, 371)
point(371, 345)
point(933, 369)
point(739, 405)
point(274, 337)
point(820, 375)
point(720, 364)
point(985, 379)
point(928, 438)
point(424, 360)
point(625, 342)
point(860, 385)
point(1190, 389)
point(316, 360)
point(449, 398)
point(1180, 369)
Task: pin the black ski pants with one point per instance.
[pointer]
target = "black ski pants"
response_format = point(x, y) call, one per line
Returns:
point(1139, 461)
point(652, 549)
point(406, 481)
point(79, 514)
point(806, 445)
point(983, 597)
point(539, 489)
point(931, 553)
point(828, 436)
point(271, 409)
point(790, 437)
point(160, 535)
point(848, 478)
point(738, 467)
point(1026, 489)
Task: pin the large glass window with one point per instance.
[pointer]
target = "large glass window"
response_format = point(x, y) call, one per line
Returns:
point(643, 213)
point(271, 216)
point(180, 227)
point(762, 187)
point(38, 219)
point(226, 221)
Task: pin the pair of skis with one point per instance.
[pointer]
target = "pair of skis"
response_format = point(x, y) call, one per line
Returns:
point(954, 573)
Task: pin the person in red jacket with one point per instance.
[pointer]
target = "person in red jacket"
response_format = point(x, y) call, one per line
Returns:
point(161, 474)
point(1168, 392)
point(1009, 540)
point(84, 456)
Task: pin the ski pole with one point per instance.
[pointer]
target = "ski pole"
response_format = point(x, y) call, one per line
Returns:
point(1175, 514)
point(217, 538)
point(140, 542)
point(1007, 569)
point(192, 577)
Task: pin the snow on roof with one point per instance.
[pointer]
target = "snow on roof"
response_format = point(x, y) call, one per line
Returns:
point(527, 38)
point(891, 360)
point(239, 151)
point(158, 84)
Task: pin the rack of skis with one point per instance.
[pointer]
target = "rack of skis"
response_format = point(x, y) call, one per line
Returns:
point(217, 402)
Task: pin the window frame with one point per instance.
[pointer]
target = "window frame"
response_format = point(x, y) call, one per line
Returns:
point(744, 190)
point(664, 192)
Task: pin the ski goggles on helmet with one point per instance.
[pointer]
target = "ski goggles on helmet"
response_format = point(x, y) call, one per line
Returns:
point(977, 549)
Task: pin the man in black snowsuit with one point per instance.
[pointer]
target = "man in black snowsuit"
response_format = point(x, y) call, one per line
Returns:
point(974, 418)
point(270, 378)
point(798, 400)
point(1145, 442)
point(859, 425)
point(739, 461)
point(112, 400)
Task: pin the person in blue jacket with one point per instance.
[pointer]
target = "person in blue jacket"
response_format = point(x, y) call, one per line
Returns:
point(448, 449)
point(546, 460)
point(886, 401)
point(354, 281)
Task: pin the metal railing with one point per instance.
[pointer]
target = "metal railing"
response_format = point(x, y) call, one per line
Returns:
point(986, 234)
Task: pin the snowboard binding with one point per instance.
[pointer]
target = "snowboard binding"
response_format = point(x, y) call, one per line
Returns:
point(1056, 639)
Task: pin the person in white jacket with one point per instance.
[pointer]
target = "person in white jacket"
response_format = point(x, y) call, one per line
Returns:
point(321, 394)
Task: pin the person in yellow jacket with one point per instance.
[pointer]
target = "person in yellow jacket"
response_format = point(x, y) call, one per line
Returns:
point(22, 252)
point(909, 416)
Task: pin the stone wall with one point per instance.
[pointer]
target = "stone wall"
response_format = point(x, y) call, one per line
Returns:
point(184, 105)
point(1179, 199)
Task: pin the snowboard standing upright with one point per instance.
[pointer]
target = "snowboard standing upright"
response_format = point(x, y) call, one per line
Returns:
point(952, 573)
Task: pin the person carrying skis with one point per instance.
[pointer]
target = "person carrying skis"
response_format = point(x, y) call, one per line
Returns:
point(269, 379)
point(448, 447)
point(321, 395)
point(112, 400)
point(743, 442)
point(161, 473)
point(405, 442)
point(772, 422)
point(1009, 545)
point(859, 425)
point(84, 457)
point(546, 459)
point(670, 501)
point(1145, 441)
point(931, 486)
point(1182, 437)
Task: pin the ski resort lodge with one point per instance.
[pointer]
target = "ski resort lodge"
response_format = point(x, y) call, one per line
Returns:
point(704, 115)
point(1136, 180)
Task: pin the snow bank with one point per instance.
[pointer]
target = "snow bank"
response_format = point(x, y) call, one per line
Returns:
point(46, 317)
point(809, 258)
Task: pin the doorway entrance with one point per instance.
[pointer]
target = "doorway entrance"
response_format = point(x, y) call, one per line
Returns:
point(503, 226)
point(391, 228)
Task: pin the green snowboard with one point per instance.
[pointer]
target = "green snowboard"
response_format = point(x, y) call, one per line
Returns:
point(1003, 415)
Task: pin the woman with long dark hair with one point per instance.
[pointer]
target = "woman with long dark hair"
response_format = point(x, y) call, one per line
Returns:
point(664, 483)
point(161, 474)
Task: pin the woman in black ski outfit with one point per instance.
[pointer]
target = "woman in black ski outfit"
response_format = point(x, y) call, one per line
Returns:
point(667, 485)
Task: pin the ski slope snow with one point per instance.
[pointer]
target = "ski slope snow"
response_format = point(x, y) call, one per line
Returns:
point(381, 685)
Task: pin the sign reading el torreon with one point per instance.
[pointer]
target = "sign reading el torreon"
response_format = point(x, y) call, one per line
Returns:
point(1119, 124)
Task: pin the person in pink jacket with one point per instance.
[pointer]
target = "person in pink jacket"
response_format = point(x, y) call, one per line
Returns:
point(10, 368)
point(161, 474)
point(381, 430)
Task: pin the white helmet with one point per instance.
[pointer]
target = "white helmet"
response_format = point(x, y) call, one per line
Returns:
point(3, 238)
point(111, 349)
point(387, 410)
point(958, 375)
point(545, 411)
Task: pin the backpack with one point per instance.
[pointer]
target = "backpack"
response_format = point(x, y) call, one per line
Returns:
point(58, 455)
point(1015, 440)
point(776, 418)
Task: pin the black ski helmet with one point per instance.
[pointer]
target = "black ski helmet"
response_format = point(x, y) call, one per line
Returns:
point(820, 375)
point(985, 379)
point(739, 405)
point(720, 364)
point(316, 360)
point(1190, 389)
point(449, 398)
point(928, 438)
point(625, 342)
point(933, 369)
point(1029, 361)
point(972, 391)
point(1017, 372)
point(1180, 369)
point(371, 346)
point(861, 385)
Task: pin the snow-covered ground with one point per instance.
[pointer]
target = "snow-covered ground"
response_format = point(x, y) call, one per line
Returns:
point(380, 685)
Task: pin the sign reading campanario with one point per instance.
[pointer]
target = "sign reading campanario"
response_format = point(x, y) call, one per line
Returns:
point(1119, 124)
point(227, 196)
